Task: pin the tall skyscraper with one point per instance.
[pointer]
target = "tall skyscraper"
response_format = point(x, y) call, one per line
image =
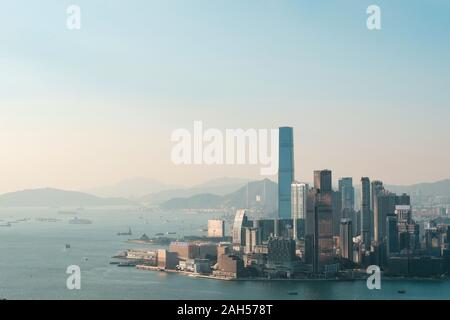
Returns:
point(347, 194)
point(336, 201)
point(323, 220)
point(391, 235)
point(240, 223)
point(384, 206)
point(299, 194)
point(346, 239)
point(285, 171)
point(322, 180)
point(376, 188)
point(323, 234)
point(365, 212)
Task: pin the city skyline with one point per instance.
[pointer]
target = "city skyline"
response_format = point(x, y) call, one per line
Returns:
point(91, 107)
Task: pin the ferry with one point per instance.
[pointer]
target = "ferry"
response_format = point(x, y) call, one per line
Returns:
point(79, 221)
point(129, 233)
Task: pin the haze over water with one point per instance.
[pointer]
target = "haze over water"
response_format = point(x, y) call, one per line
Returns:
point(34, 260)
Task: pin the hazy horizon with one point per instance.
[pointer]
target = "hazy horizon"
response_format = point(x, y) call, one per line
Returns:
point(88, 108)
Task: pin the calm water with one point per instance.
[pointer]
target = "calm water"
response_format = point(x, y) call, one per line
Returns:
point(33, 261)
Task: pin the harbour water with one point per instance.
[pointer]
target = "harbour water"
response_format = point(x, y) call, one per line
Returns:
point(34, 259)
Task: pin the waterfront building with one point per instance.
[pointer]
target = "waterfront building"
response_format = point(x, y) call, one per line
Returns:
point(185, 250)
point(323, 221)
point(299, 194)
point(166, 259)
point(229, 266)
point(216, 228)
point(285, 171)
point(365, 212)
point(346, 239)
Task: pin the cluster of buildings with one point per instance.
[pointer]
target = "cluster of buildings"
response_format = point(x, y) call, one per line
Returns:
point(319, 232)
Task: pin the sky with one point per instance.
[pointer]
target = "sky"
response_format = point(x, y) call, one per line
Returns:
point(89, 107)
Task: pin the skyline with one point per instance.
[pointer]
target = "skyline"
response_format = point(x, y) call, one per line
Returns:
point(82, 109)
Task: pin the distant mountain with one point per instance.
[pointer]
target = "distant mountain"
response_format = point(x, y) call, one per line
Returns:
point(438, 188)
point(220, 186)
point(130, 188)
point(200, 201)
point(257, 194)
point(49, 197)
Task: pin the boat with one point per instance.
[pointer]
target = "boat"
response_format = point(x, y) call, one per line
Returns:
point(292, 293)
point(171, 232)
point(159, 234)
point(7, 224)
point(79, 221)
point(67, 246)
point(401, 291)
point(128, 233)
point(127, 264)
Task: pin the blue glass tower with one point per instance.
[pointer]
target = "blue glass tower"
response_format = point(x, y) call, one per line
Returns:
point(285, 171)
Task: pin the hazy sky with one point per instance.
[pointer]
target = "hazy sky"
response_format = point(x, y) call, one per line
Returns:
point(85, 108)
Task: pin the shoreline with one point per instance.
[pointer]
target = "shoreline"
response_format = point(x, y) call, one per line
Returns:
point(205, 276)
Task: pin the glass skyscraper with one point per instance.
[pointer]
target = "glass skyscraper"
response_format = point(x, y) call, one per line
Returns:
point(285, 171)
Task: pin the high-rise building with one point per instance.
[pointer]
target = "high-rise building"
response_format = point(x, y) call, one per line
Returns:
point(323, 234)
point(384, 206)
point(285, 171)
point(216, 228)
point(346, 239)
point(365, 212)
point(266, 228)
point(375, 188)
point(251, 239)
point(322, 180)
point(347, 194)
point(323, 220)
point(240, 223)
point(391, 235)
point(408, 230)
point(299, 194)
point(336, 203)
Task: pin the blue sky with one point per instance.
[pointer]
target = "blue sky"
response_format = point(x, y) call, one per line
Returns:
point(89, 107)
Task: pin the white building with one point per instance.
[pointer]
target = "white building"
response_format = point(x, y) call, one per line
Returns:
point(299, 196)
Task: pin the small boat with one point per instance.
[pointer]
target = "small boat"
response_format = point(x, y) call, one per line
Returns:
point(401, 291)
point(67, 246)
point(171, 232)
point(159, 234)
point(128, 233)
point(79, 221)
point(292, 293)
